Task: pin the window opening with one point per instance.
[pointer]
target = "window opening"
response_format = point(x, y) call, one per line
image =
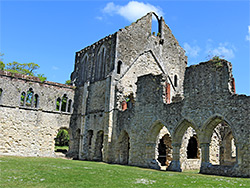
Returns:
point(192, 148)
point(233, 148)
point(22, 98)
point(1, 91)
point(29, 98)
point(119, 66)
point(175, 81)
point(90, 135)
point(103, 63)
point(62, 140)
point(36, 100)
point(64, 103)
point(162, 153)
point(69, 105)
point(85, 68)
point(155, 30)
point(58, 103)
point(222, 150)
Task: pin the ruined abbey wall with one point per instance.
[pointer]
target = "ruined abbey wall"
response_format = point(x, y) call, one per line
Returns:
point(131, 52)
point(133, 101)
point(29, 117)
point(201, 109)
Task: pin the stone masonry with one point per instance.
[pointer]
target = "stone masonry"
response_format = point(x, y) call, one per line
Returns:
point(29, 119)
point(137, 103)
point(134, 102)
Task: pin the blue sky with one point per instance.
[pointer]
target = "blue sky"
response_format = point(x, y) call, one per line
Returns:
point(50, 32)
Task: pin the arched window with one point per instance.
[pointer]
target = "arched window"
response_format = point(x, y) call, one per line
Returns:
point(175, 81)
point(58, 103)
point(86, 68)
point(22, 100)
point(119, 66)
point(101, 63)
point(64, 103)
point(69, 105)
point(84, 65)
point(103, 67)
point(89, 137)
point(36, 100)
point(29, 97)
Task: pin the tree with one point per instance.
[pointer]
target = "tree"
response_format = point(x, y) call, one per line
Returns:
point(2, 65)
point(22, 68)
point(68, 82)
point(62, 138)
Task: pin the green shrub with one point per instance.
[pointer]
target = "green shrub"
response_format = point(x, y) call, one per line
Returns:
point(62, 138)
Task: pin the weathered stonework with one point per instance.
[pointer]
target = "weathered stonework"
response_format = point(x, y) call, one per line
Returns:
point(173, 121)
point(136, 103)
point(29, 127)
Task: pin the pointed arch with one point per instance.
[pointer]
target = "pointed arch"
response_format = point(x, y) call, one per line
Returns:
point(210, 124)
point(181, 128)
point(154, 131)
point(153, 137)
point(101, 62)
point(84, 67)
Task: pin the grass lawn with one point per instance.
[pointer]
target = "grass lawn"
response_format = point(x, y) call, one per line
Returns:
point(55, 172)
point(66, 148)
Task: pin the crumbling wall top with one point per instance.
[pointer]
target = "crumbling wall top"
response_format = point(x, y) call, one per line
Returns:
point(32, 79)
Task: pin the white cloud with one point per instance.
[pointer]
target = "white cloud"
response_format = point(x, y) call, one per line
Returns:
point(224, 50)
point(133, 10)
point(248, 35)
point(192, 51)
point(54, 68)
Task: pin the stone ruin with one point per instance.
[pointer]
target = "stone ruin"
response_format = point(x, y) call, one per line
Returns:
point(135, 103)
point(31, 113)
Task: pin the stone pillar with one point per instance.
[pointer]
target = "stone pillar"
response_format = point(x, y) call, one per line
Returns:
point(238, 156)
point(205, 152)
point(175, 163)
point(205, 157)
point(67, 103)
point(150, 156)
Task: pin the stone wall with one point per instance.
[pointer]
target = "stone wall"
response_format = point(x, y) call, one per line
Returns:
point(105, 81)
point(29, 125)
point(201, 109)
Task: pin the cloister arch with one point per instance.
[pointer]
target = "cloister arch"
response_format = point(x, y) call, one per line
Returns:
point(181, 128)
point(178, 135)
point(153, 141)
point(217, 125)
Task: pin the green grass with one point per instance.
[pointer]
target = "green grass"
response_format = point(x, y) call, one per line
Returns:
point(62, 148)
point(56, 172)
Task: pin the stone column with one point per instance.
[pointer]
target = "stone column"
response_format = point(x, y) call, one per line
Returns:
point(205, 157)
point(238, 156)
point(175, 163)
point(150, 156)
point(205, 152)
